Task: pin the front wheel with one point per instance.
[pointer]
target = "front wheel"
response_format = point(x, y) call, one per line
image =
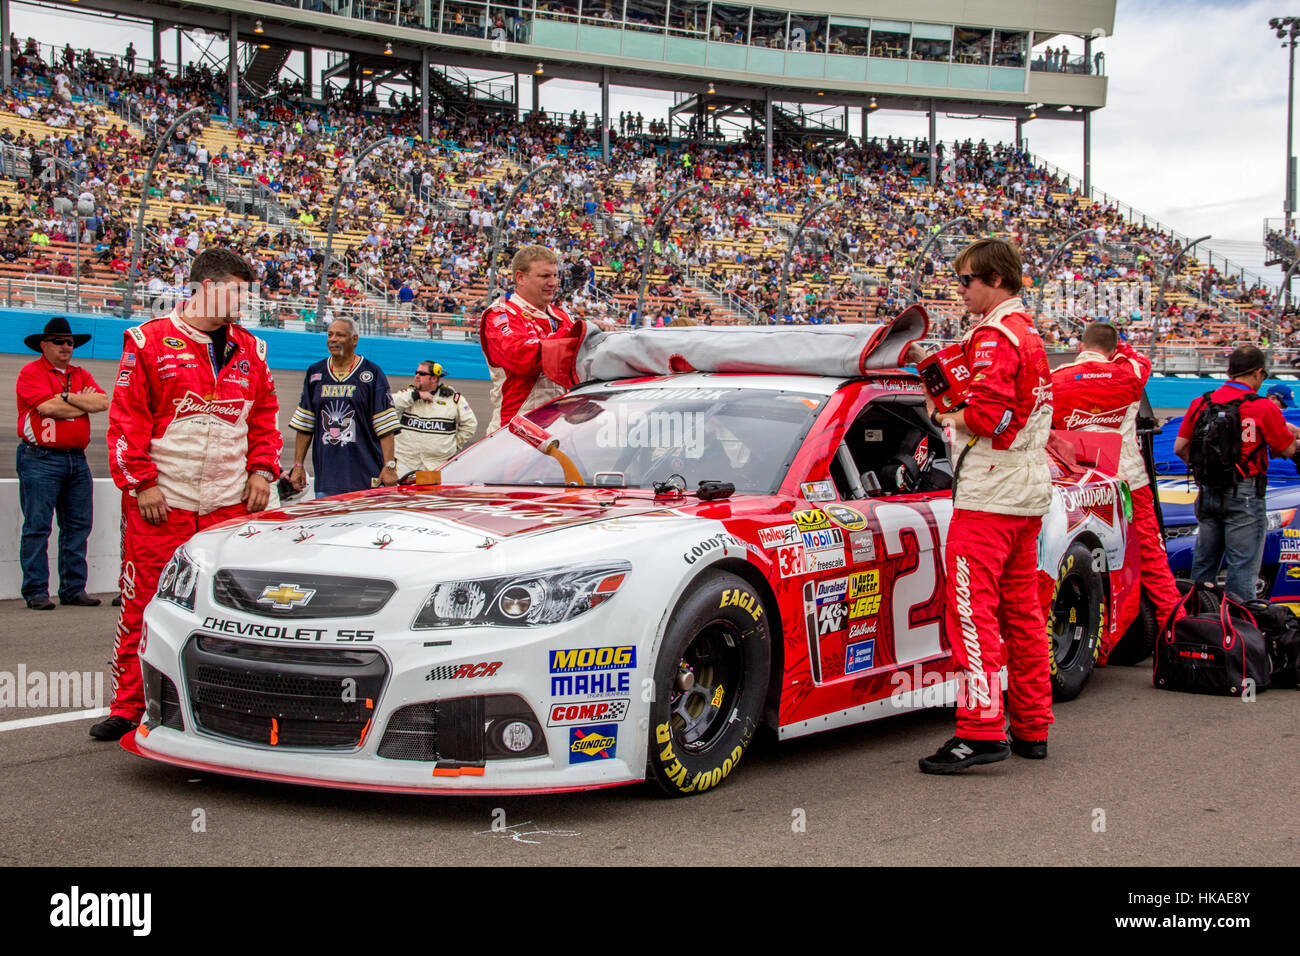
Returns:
point(710, 683)
point(1074, 622)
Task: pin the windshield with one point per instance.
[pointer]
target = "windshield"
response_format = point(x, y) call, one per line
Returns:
point(632, 438)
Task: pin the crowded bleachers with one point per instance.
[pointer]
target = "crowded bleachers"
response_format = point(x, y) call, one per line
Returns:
point(414, 231)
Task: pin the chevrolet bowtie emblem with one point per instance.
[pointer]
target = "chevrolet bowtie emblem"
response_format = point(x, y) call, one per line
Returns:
point(285, 596)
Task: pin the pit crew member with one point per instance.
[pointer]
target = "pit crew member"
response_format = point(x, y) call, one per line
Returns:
point(1002, 489)
point(1099, 392)
point(192, 441)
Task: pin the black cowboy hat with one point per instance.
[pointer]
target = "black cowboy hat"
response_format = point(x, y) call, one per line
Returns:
point(56, 326)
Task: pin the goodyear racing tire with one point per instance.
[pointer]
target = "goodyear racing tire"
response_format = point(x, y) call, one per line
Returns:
point(1139, 640)
point(710, 681)
point(1074, 622)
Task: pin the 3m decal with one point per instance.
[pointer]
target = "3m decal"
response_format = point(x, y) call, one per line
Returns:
point(597, 742)
point(563, 715)
point(791, 561)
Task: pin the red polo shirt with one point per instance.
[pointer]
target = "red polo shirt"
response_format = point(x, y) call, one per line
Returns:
point(1262, 423)
point(38, 382)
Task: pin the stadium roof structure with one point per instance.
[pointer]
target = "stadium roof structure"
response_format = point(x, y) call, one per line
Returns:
point(991, 58)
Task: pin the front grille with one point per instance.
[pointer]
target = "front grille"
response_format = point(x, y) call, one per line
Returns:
point(282, 696)
point(460, 730)
point(171, 706)
point(293, 595)
point(1180, 531)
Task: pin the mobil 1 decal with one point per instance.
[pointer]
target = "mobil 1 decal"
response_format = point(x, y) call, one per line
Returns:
point(885, 608)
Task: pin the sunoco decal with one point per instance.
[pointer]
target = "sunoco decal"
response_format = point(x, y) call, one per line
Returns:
point(596, 742)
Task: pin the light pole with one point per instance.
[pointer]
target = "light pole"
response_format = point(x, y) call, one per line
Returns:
point(649, 248)
point(1160, 296)
point(144, 204)
point(914, 291)
point(80, 213)
point(500, 227)
point(789, 254)
point(1287, 30)
point(334, 216)
point(1047, 270)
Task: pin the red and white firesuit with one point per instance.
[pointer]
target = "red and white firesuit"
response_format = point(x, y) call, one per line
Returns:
point(1004, 487)
point(177, 424)
point(1097, 394)
point(511, 333)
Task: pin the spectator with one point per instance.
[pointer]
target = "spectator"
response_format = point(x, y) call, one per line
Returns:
point(436, 421)
point(194, 444)
point(346, 414)
point(1232, 516)
point(55, 402)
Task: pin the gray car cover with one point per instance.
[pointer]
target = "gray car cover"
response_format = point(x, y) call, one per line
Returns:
point(836, 350)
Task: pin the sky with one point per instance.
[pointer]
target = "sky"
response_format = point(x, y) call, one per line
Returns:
point(1193, 133)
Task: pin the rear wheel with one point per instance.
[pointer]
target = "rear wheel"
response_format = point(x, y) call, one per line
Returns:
point(1074, 623)
point(710, 684)
point(1140, 638)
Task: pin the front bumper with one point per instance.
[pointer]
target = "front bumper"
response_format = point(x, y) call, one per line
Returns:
point(424, 714)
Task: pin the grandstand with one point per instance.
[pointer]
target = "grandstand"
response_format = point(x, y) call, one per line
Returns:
point(260, 171)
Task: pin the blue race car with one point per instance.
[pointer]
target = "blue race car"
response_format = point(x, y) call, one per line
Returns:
point(1279, 573)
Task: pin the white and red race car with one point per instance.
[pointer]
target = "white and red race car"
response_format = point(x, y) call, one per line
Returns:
point(624, 585)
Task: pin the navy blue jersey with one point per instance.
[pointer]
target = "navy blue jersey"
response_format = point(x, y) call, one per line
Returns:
point(346, 417)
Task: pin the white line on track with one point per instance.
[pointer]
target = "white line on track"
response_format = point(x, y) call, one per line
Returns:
point(52, 719)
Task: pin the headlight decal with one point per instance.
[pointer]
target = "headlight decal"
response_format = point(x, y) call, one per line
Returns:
point(521, 600)
point(179, 580)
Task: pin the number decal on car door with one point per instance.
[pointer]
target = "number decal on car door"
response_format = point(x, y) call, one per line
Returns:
point(916, 587)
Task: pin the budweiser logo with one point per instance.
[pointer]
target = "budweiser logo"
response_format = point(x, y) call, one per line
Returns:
point(1109, 419)
point(191, 405)
point(1099, 501)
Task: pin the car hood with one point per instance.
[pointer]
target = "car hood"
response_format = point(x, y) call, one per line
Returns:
point(437, 520)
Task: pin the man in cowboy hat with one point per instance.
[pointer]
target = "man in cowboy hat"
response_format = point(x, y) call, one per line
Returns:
point(55, 402)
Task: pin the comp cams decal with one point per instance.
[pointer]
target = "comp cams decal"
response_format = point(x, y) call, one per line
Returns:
point(564, 715)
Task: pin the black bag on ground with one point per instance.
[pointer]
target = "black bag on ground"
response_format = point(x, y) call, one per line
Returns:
point(1281, 629)
point(1211, 651)
point(1215, 450)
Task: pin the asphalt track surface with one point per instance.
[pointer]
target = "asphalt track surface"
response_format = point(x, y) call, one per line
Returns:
point(1176, 779)
point(288, 389)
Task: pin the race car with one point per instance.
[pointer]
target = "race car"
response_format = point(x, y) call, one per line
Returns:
point(624, 584)
point(1279, 573)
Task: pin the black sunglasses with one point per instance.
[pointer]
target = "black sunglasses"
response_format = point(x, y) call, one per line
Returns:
point(61, 341)
point(964, 279)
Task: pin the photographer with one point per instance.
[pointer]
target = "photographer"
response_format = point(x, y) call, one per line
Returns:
point(436, 421)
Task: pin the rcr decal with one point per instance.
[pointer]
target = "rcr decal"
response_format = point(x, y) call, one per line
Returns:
point(464, 671)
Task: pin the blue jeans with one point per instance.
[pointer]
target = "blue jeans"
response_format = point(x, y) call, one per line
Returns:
point(1231, 529)
point(54, 481)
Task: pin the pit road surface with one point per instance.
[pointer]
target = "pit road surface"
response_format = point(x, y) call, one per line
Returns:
point(1176, 779)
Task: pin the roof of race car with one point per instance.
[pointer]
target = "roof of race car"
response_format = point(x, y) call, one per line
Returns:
point(815, 384)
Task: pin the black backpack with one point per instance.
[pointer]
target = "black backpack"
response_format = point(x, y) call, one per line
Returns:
point(1215, 451)
point(1281, 630)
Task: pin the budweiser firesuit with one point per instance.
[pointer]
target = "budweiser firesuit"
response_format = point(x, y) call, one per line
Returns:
point(1003, 488)
point(1099, 392)
point(511, 333)
point(192, 441)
